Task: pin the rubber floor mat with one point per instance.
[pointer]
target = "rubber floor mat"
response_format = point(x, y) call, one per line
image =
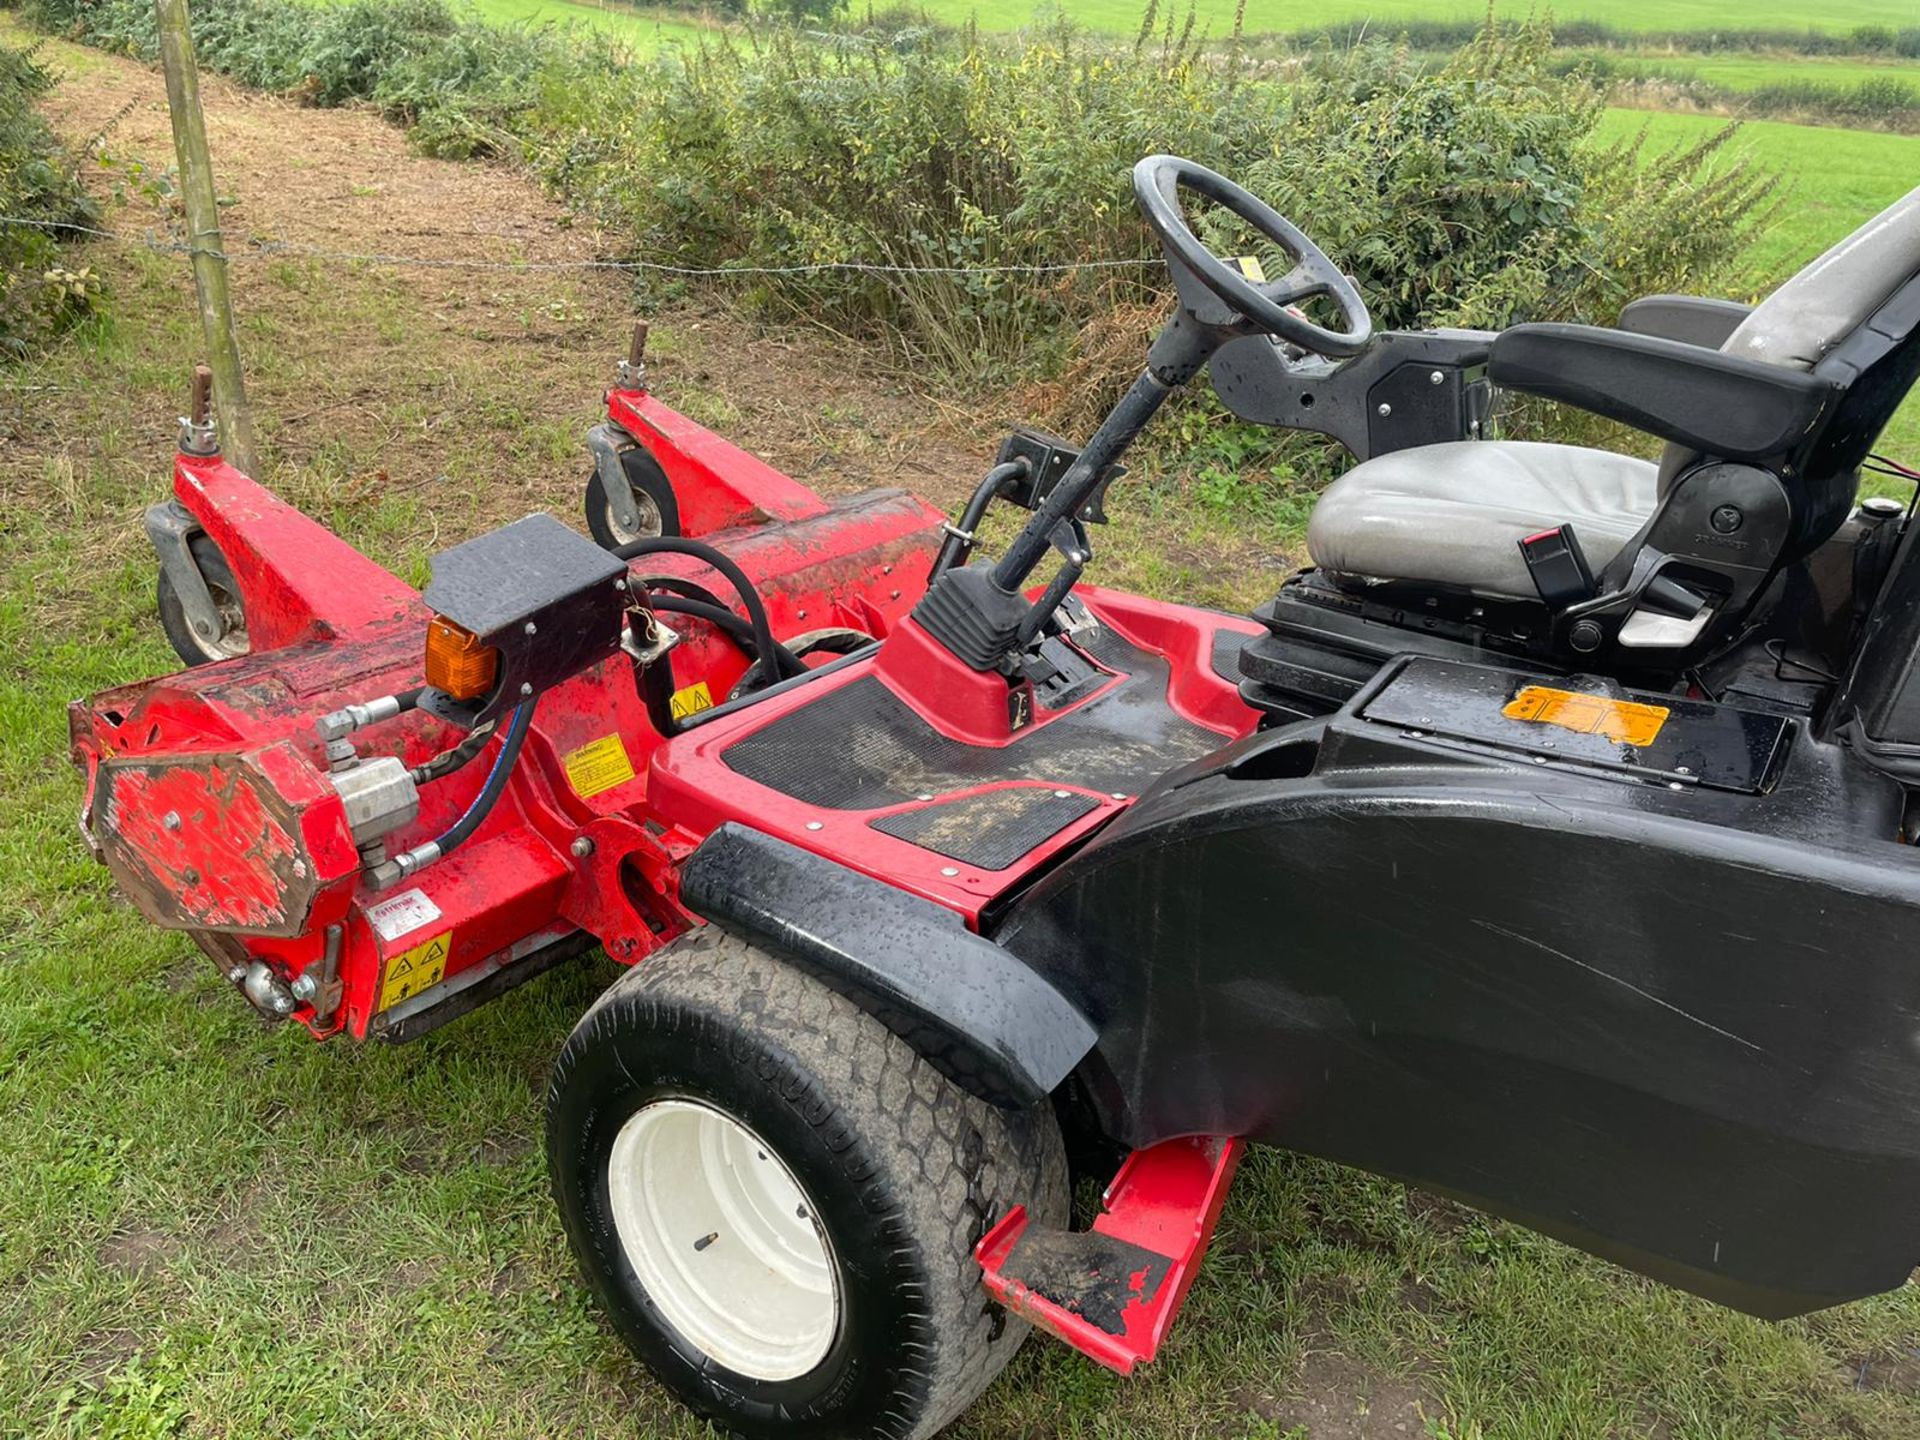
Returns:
point(860, 747)
point(991, 829)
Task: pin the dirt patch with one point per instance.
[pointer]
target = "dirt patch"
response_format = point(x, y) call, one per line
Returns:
point(101, 1354)
point(140, 1253)
point(1335, 1398)
point(1898, 1372)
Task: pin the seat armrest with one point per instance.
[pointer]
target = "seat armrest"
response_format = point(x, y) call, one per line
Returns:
point(1720, 405)
point(1691, 319)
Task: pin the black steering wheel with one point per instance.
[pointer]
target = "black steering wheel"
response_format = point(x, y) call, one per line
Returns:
point(1264, 307)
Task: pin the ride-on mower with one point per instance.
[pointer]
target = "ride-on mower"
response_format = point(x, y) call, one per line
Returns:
point(1544, 844)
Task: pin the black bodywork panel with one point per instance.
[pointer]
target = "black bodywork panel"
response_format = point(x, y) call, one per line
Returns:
point(538, 593)
point(977, 1014)
point(1674, 1024)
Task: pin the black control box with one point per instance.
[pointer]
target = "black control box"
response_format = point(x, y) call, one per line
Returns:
point(548, 600)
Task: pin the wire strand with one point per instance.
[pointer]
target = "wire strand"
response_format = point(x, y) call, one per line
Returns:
point(280, 249)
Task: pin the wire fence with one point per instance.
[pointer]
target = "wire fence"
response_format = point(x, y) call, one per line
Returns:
point(280, 250)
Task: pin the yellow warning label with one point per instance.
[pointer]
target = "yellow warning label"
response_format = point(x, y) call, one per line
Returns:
point(598, 765)
point(1622, 721)
point(1250, 266)
point(692, 700)
point(409, 973)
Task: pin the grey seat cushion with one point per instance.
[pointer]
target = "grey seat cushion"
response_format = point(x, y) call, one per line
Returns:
point(1453, 514)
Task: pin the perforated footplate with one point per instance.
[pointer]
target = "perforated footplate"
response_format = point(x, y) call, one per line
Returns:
point(992, 829)
point(860, 747)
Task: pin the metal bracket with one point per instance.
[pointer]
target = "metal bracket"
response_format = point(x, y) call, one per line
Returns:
point(171, 528)
point(608, 442)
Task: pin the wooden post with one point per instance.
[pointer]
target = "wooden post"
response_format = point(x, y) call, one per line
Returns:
point(203, 233)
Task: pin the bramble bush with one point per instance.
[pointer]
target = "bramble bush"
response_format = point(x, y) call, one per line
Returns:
point(39, 295)
point(1471, 192)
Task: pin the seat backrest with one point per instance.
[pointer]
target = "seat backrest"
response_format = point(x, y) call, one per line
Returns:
point(1799, 323)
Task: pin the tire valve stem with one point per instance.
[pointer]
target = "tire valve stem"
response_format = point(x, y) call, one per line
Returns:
point(706, 1240)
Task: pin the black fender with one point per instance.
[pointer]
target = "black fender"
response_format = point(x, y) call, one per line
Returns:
point(976, 1013)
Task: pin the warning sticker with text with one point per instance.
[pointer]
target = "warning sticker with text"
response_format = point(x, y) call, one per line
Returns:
point(412, 971)
point(598, 765)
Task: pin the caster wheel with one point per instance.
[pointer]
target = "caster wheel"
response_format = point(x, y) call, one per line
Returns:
point(230, 639)
point(652, 495)
point(776, 1200)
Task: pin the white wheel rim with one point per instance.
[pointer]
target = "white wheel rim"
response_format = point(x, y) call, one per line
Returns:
point(723, 1239)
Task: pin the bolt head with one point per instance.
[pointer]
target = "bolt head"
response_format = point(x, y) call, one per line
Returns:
point(949, 871)
point(532, 629)
point(1385, 409)
point(1437, 377)
point(526, 687)
point(1726, 519)
point(815, 825)
point(582, 846)
point(170, 820)
point(1585, 636)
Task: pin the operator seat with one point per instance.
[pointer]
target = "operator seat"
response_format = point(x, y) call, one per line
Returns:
point(1452, 514)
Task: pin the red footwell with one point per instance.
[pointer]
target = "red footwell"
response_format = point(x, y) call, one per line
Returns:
point(1112, 1291)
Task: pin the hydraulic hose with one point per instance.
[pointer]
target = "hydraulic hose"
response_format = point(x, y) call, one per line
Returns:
point(749, 597)
point(390, 872)
point(503, 763)
point(453, 758)
point(958, 543)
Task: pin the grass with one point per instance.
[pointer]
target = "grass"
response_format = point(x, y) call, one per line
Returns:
point(1269, 16)
point(211, 1228)
point(1753, 71)
point(647, 28)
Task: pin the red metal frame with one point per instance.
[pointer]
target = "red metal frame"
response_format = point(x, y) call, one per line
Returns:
point(1166, 1200)
point(207, 791)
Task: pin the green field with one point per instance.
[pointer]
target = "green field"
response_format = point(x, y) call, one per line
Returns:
point(647, 28)
point(1748, 71)
point(1834, 178)
point(1269, 16)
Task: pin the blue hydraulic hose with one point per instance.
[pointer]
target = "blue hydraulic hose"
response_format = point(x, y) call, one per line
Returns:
point(503, 763)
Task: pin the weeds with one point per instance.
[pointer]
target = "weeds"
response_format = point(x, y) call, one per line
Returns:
point(39, 296)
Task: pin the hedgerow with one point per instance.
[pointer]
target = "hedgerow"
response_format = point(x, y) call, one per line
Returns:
point(964, 199)
point(43, 203)
point(457, 82)
point(1470, 192)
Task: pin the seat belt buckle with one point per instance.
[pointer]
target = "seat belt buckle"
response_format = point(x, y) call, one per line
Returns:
point(1558, 567)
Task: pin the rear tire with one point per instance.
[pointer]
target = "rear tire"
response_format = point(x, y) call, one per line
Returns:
point(652, 494)
point(899, 1171)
